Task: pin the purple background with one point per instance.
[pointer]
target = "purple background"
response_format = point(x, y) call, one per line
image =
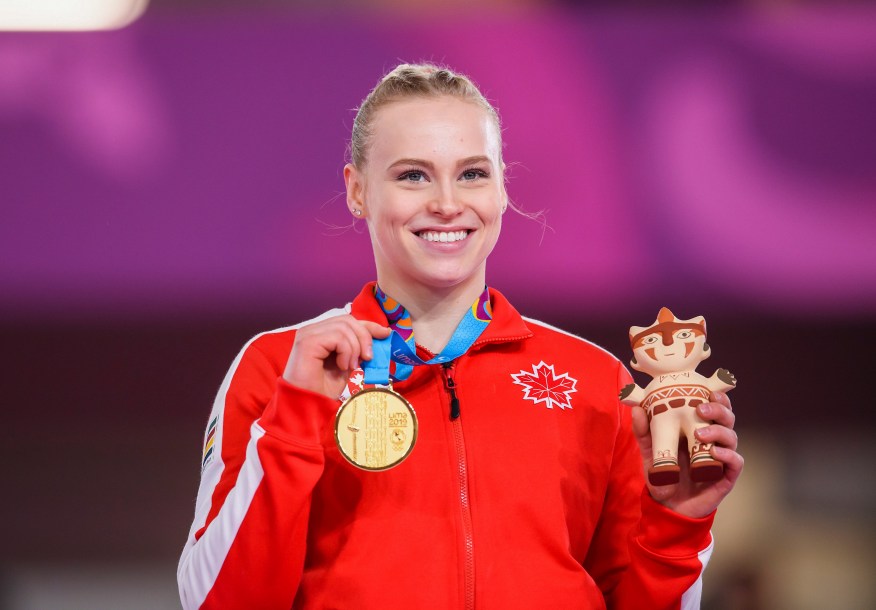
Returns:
point(171, 189)
point(194, 164)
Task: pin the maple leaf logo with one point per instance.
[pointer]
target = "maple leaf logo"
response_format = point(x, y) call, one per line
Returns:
point(544, 385)
point(354, 384)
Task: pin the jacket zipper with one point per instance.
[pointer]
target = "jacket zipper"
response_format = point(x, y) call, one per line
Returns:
point(462, 474)
point(451, 387)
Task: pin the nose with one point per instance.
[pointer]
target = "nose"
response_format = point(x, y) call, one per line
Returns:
point(445, 201)
point(667, 338)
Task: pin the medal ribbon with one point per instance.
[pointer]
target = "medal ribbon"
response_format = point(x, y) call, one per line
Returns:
point(401, 348)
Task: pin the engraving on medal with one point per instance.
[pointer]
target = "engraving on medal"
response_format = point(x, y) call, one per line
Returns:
point(384, 433)
point(398, 439)
point(375, 426)
point(398, 420)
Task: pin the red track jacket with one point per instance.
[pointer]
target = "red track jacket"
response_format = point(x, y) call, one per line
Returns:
point(532, 498)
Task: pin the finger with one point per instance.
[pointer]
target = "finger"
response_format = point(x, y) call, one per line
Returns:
point(641, 427)
point(376, 330)
point(642, 432)
point(362, 336)
point(370, 331)
point(721, 397)
point(717, 412)
point(720, 435)
point(346, 346)
point(732, 460)
point(343, 350)
point(367, 331)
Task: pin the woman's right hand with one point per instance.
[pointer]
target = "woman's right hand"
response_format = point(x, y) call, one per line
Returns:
point(326, 353)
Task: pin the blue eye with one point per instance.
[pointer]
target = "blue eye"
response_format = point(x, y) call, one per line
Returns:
point(474, 174)
point(413, 175)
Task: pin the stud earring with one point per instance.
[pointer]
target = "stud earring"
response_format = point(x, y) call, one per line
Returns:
point(357, 212)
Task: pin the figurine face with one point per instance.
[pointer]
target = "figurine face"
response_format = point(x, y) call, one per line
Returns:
point(669, 345)
point(684, 352)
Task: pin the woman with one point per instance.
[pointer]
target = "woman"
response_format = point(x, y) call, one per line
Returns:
point(525, 488)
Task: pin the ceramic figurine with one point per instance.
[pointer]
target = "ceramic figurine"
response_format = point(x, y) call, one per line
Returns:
point(669, 350)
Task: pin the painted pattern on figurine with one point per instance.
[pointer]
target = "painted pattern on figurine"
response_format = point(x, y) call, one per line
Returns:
point(669, 350)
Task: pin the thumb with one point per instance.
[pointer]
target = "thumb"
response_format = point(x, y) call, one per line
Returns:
point(642, 432)
point(641, 427)
point(376, 330)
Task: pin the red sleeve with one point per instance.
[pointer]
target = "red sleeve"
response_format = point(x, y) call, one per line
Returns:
point(645, 555)
point(247, 543)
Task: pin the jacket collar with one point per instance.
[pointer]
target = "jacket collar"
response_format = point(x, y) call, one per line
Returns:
point(506, 325)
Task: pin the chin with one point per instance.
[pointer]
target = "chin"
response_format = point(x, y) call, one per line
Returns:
point(448, 279)
point(444, 281)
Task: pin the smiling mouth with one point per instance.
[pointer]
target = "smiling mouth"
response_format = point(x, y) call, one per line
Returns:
point(443, 236)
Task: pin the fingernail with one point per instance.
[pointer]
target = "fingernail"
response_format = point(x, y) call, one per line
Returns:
point(705, 409)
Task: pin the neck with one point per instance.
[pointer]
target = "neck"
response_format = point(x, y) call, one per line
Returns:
point(435, 312)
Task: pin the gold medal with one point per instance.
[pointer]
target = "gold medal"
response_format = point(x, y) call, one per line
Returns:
point(376, 428)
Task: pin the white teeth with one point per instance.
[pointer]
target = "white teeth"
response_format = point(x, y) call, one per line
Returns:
point(443, 236)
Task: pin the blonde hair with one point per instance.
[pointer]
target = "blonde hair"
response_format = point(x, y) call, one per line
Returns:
point(411, 81)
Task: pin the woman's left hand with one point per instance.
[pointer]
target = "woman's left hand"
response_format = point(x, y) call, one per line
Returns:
point(687, 497)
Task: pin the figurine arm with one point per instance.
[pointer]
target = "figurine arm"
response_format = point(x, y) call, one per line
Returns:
point(721, 380)
point(632, 395)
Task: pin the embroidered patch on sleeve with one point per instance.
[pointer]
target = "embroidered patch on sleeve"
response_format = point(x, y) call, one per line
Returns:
point(544, 385)
point(209, 442)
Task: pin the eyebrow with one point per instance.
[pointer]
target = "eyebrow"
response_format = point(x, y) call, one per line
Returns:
point(475, 160)
point(429, 165)
point(417, 162)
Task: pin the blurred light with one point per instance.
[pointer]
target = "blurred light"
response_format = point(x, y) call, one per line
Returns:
point(66, 15)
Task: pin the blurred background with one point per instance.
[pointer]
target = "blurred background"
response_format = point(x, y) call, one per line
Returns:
point(170, 189)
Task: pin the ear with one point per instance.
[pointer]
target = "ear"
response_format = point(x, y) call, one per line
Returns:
point(355, 183)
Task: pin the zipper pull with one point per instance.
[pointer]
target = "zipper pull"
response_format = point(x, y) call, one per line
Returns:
point(451, 387)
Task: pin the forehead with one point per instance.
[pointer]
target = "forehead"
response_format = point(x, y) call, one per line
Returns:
point(667, 329)
point(429, 128)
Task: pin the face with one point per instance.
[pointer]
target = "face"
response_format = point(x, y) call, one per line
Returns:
point(657, 354)
point(432, 193)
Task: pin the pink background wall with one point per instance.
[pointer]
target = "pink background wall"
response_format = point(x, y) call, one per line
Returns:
point(192, 164)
